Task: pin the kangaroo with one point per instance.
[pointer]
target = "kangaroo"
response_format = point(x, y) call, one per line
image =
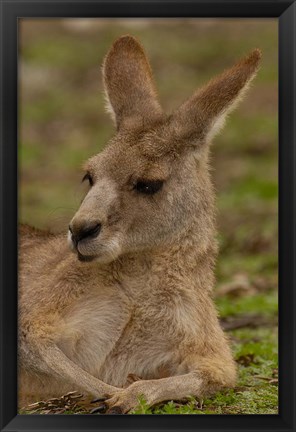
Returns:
point(127, 309)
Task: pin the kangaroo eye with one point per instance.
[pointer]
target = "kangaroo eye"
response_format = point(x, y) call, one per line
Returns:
point(89, 178)
point(148, 187)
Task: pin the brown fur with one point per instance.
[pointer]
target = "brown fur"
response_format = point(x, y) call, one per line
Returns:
point(142, 307)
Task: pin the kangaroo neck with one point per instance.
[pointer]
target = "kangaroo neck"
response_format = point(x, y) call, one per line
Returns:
point(187, 258)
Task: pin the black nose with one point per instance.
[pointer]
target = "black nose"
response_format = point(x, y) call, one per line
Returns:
point(84, 231)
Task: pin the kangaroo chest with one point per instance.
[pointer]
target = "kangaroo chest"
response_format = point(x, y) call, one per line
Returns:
point(116, 332)
point(92, 326)
point(150, 345)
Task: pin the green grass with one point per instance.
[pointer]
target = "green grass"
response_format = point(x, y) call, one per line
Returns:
point(263, 304)
point(256, 391)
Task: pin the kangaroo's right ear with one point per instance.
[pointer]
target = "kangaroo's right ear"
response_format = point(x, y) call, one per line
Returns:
point(130, 92)
point(203, 115)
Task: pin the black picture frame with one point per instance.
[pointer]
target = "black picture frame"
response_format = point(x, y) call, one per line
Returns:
point(285, 11)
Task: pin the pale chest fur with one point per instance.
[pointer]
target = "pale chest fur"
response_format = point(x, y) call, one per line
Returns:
point(133, 328)
point(91, 327)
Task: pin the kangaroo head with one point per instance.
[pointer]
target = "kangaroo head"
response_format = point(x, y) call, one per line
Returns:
point(151, 182)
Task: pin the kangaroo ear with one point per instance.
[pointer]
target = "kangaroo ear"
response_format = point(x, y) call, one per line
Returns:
point(203, 115)
point(129, 88)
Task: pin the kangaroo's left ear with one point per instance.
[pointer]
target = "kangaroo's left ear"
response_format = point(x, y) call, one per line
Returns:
point(202, 116)
point(129, 87)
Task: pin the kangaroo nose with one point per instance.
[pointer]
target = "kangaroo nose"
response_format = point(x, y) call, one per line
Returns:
point(87, 230)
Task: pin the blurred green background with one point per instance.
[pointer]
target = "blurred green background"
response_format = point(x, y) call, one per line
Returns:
point(62, 122)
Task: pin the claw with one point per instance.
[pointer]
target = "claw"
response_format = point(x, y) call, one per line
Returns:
point(100, 399)
point(115, 410)
point(99, 409)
